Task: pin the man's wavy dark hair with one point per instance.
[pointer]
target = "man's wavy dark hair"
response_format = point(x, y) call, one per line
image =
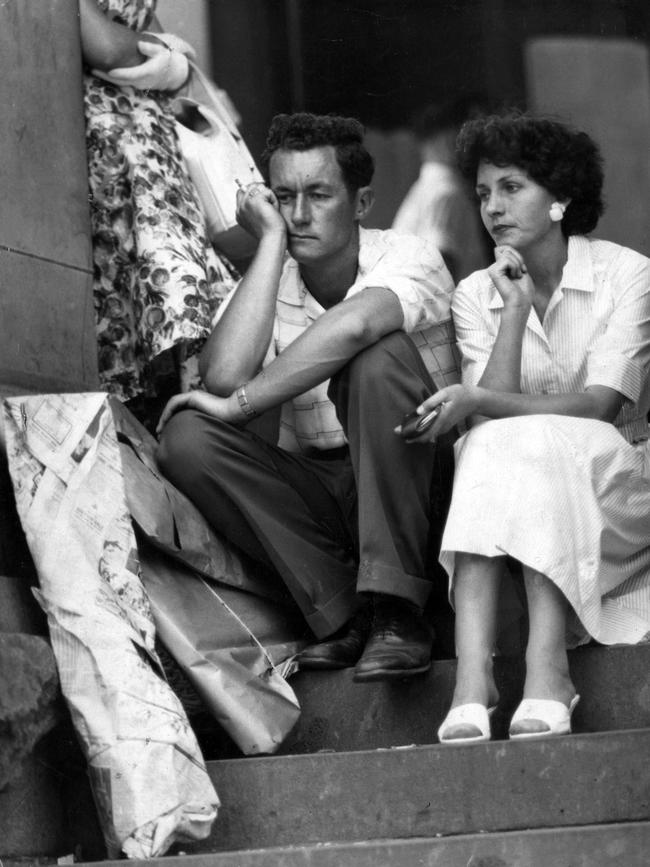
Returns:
point(563, 160)
point(304, 131)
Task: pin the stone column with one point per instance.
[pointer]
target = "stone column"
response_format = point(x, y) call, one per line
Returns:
point(46, 328)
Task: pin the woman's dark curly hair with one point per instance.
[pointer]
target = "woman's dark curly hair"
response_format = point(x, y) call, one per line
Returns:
point(304, 131)
point(564, 161)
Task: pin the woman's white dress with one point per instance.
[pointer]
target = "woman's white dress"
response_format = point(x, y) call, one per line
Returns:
point(567, 497)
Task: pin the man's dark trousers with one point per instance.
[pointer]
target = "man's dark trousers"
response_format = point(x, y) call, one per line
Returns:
point(333, 525)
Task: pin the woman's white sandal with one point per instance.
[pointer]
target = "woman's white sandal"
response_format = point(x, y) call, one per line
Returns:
point(472, 714)
point(555, 715)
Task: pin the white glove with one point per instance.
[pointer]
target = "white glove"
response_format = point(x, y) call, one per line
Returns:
point(166, 69)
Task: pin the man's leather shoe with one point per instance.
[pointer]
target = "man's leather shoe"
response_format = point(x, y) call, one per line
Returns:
point(343, 649)
point(400, 642)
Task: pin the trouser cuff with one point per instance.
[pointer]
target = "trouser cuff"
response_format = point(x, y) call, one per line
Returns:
point(378, 578)
point(329, 617)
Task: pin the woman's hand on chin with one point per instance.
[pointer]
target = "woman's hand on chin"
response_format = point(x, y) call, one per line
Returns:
point(510, 275)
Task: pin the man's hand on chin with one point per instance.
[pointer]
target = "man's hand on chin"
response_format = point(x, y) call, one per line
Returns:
point(258, 211)
point(223, 408)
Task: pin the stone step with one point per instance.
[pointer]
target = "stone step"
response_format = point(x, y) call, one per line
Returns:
point(33, 819)
point(616, 845)
point(339, 714)
point(32, 816)
point(424, 791)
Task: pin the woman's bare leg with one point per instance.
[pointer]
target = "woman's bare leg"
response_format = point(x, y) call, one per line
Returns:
point(476, 595)
point(547, 664)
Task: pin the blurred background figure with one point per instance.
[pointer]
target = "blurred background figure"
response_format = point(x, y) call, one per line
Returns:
point(440, 206)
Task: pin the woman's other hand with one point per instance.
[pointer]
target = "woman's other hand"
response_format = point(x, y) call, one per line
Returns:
point(171, 40)
point(224, 408)
point(455, 403)
point(510, 275)
point(258, 211)
point(164, 69)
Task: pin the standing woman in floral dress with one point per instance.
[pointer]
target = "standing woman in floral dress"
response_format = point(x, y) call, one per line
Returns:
point(157, 280)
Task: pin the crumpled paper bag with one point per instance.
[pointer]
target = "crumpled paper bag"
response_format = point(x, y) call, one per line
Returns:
point(148, 776)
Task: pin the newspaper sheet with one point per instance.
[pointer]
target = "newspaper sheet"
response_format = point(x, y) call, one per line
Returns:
point(149, 778)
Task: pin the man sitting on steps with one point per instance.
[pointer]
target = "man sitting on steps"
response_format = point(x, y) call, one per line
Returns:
point(340, 507)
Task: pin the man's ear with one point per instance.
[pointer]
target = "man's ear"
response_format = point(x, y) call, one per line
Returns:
point(365, 199)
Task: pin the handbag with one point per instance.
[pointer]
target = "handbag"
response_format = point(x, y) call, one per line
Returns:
point(214, 152)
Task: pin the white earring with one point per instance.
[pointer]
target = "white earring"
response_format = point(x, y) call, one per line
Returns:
point(556, 211)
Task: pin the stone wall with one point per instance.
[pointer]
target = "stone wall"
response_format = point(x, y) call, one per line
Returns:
point(46, 328)
point(46, 344)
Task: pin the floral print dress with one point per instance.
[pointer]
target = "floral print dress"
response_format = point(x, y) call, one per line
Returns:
point(157, 280)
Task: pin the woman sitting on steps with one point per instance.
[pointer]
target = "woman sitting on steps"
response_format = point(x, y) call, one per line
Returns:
point(555, 472)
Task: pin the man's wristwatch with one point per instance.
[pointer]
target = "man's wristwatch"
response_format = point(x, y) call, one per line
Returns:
point(244, 405)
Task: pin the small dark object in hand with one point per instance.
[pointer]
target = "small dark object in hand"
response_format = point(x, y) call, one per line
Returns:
point(413, 425)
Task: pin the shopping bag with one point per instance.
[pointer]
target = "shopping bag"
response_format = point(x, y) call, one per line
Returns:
point(223, 660)
point(214, 152)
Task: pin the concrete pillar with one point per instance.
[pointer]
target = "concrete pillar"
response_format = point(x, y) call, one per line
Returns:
point(47, 324)
point(603, 87)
